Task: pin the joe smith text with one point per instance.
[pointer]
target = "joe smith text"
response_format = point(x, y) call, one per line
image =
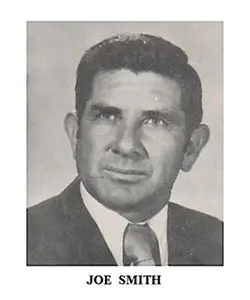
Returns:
point(125, 280)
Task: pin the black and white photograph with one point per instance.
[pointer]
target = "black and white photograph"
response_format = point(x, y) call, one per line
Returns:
point(125, 143)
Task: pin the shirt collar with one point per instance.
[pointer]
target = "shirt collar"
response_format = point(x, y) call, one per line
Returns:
point(112, 225)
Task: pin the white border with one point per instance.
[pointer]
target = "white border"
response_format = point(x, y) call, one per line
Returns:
point(18, 281)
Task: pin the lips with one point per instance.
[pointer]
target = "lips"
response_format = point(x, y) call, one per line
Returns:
point(125, 175)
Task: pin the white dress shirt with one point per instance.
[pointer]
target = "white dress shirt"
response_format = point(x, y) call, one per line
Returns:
point(112, 226)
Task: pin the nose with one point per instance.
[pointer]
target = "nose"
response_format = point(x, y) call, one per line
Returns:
point(127, 142)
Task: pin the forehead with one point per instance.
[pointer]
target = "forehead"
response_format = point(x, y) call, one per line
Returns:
point(146, 90)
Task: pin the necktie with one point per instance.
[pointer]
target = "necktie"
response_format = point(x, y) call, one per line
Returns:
point(140, 246)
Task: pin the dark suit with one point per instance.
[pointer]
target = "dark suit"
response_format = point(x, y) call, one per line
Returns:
point(62, 232)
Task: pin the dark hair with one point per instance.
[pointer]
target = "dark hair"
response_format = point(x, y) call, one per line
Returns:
point(140, 53)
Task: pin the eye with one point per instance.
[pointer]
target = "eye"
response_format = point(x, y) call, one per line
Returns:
point(154, 122)
point(106, 116)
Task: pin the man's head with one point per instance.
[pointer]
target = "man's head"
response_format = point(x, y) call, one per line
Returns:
point(139, 110)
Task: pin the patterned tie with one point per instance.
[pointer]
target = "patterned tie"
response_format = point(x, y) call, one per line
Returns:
point(140, 246)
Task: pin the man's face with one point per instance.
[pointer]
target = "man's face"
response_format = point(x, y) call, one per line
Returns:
point(131, 141)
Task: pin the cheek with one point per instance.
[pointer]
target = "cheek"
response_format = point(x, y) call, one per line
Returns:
point(92, 143)
point(163, 142)
point(165, 151)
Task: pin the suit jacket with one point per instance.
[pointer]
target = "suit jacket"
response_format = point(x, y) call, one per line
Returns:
point(62, 232)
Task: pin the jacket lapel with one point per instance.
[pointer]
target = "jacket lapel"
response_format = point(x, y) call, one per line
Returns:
point(180, 245)
point(89, 246)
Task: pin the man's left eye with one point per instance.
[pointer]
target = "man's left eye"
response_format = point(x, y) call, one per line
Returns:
point(154, 122)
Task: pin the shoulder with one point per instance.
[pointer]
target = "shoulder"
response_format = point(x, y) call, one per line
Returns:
point(44, 215)
point(48, 223)
point(201, 235)
point(57, 205)
point(194, 219)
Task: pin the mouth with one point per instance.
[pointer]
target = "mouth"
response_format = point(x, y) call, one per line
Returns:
point(125, 175)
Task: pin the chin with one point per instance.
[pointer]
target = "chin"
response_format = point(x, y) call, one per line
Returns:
point(122, 195)
point(122, 203)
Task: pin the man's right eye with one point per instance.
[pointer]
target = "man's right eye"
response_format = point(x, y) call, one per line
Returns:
point(109, 116)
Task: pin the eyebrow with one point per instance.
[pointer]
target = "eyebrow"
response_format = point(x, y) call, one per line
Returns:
point(170, 115)
point(154, 114)
point(104, 108)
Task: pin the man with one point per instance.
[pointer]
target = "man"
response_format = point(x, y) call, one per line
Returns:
point(137, 124)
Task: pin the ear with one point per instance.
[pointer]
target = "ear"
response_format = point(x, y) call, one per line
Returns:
point(71, 128)
point(198, 140)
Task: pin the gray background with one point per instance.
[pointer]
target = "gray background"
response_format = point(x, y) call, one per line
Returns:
point(54, 50)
